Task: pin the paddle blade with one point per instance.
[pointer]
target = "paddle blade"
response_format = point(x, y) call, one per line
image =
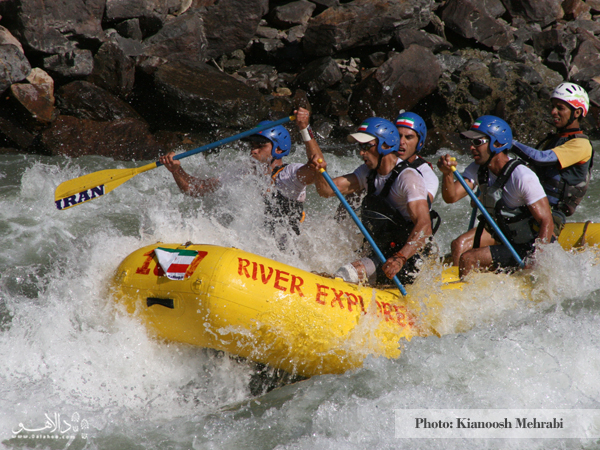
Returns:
point(88, 187)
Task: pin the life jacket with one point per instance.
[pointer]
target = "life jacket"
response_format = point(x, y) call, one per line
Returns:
point(387, 226)
point(566, 187)
point(281, 209)
point(517, 224)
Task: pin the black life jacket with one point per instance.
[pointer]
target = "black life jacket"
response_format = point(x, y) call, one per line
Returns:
point(281, 209)
point(387, 226)
point(517, 224)
point(566, 187)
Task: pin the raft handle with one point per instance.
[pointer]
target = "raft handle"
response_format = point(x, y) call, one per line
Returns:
point(166, 302)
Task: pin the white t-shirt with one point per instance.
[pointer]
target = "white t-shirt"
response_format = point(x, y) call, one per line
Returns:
point(522, 189)
point(408, 187)
point(289, 185)
point(432, 182)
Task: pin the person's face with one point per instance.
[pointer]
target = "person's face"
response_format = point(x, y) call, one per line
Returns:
point(408, 142)
point(261, 151)
point(480, 150)
point(561, 113)
point(369, 153)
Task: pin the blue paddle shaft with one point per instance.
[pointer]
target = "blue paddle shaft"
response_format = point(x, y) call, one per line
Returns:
point(360, 226)
point(229, 139)
point(473, 214)
point(487, 216)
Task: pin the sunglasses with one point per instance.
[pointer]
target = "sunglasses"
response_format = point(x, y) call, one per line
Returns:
point(366, 146)
point(479, 141)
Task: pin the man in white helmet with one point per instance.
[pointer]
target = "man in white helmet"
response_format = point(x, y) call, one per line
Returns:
point(564, 159)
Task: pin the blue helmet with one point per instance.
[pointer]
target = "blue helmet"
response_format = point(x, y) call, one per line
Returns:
point(495, 128)
point(415, 123)
point(383, 130)
point(279, 137)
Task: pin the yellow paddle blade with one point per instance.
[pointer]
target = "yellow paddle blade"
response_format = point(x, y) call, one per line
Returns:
point(88, 187)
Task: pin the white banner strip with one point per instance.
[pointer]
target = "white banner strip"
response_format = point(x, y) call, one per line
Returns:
point(498, 423)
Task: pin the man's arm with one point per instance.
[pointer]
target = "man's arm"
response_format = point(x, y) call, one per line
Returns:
point(346, 184)
point(540, 158)
point(452, 190)
point(306, 175)
point(188, 184)
point(542, 214)
point(303, 124)
point(419, 214)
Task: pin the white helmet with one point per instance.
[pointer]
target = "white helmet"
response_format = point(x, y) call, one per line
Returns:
point(574, 95)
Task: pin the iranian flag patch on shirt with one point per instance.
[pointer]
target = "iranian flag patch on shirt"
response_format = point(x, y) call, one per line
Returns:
point(175, 262)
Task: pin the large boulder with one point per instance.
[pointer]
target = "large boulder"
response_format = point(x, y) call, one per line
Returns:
point(113, 70)
point(399, 83)
point(471, 19)
point(205, 95)
point(543, 12)
point(123, 139)
point(181, 39)
point(53, 26)
point(36, 97)
point(14, 66)
point(231, 24)
point(362, 23)
point(85, 100)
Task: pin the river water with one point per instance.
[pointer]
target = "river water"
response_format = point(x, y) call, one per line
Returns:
point(85, 375)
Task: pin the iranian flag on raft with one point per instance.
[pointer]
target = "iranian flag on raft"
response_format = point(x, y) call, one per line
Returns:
point(175, 262)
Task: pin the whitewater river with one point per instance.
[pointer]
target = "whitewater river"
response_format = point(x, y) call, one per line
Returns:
point(85, 375)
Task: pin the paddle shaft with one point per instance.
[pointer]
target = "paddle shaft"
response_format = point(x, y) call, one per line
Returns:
point(360, 226)
point(473, 214)
point(487, 216)
point(230, 139)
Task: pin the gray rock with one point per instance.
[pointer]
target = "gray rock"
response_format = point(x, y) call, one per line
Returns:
point(361, 23)
point(113, 70)
point(14, 68)
point(543, 12)
point(205, 95)
point(450, 63)
point(130, 29)
point(181, 39)
point(124, 139)
point(85, 100)
point(318, 75)
point(399, 83)
point(53, 26)
point(471, 20)
point(76, 63)
point(294, 13)
point(230, 25)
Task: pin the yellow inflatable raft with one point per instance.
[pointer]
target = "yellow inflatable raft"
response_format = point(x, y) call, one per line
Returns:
point(279, 315)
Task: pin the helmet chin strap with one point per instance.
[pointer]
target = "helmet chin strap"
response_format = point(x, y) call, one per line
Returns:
point(379, 161)
point(571, 120)
point(489, 160)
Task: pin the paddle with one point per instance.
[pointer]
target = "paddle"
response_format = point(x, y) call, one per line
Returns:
point(360, 226)
point(487, 216)
point(473, 213)
point(88, 187)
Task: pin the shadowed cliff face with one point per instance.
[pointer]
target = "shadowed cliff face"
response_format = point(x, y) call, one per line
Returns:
point(172, 67)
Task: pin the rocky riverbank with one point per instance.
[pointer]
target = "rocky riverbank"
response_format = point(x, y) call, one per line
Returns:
point(133, 79)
